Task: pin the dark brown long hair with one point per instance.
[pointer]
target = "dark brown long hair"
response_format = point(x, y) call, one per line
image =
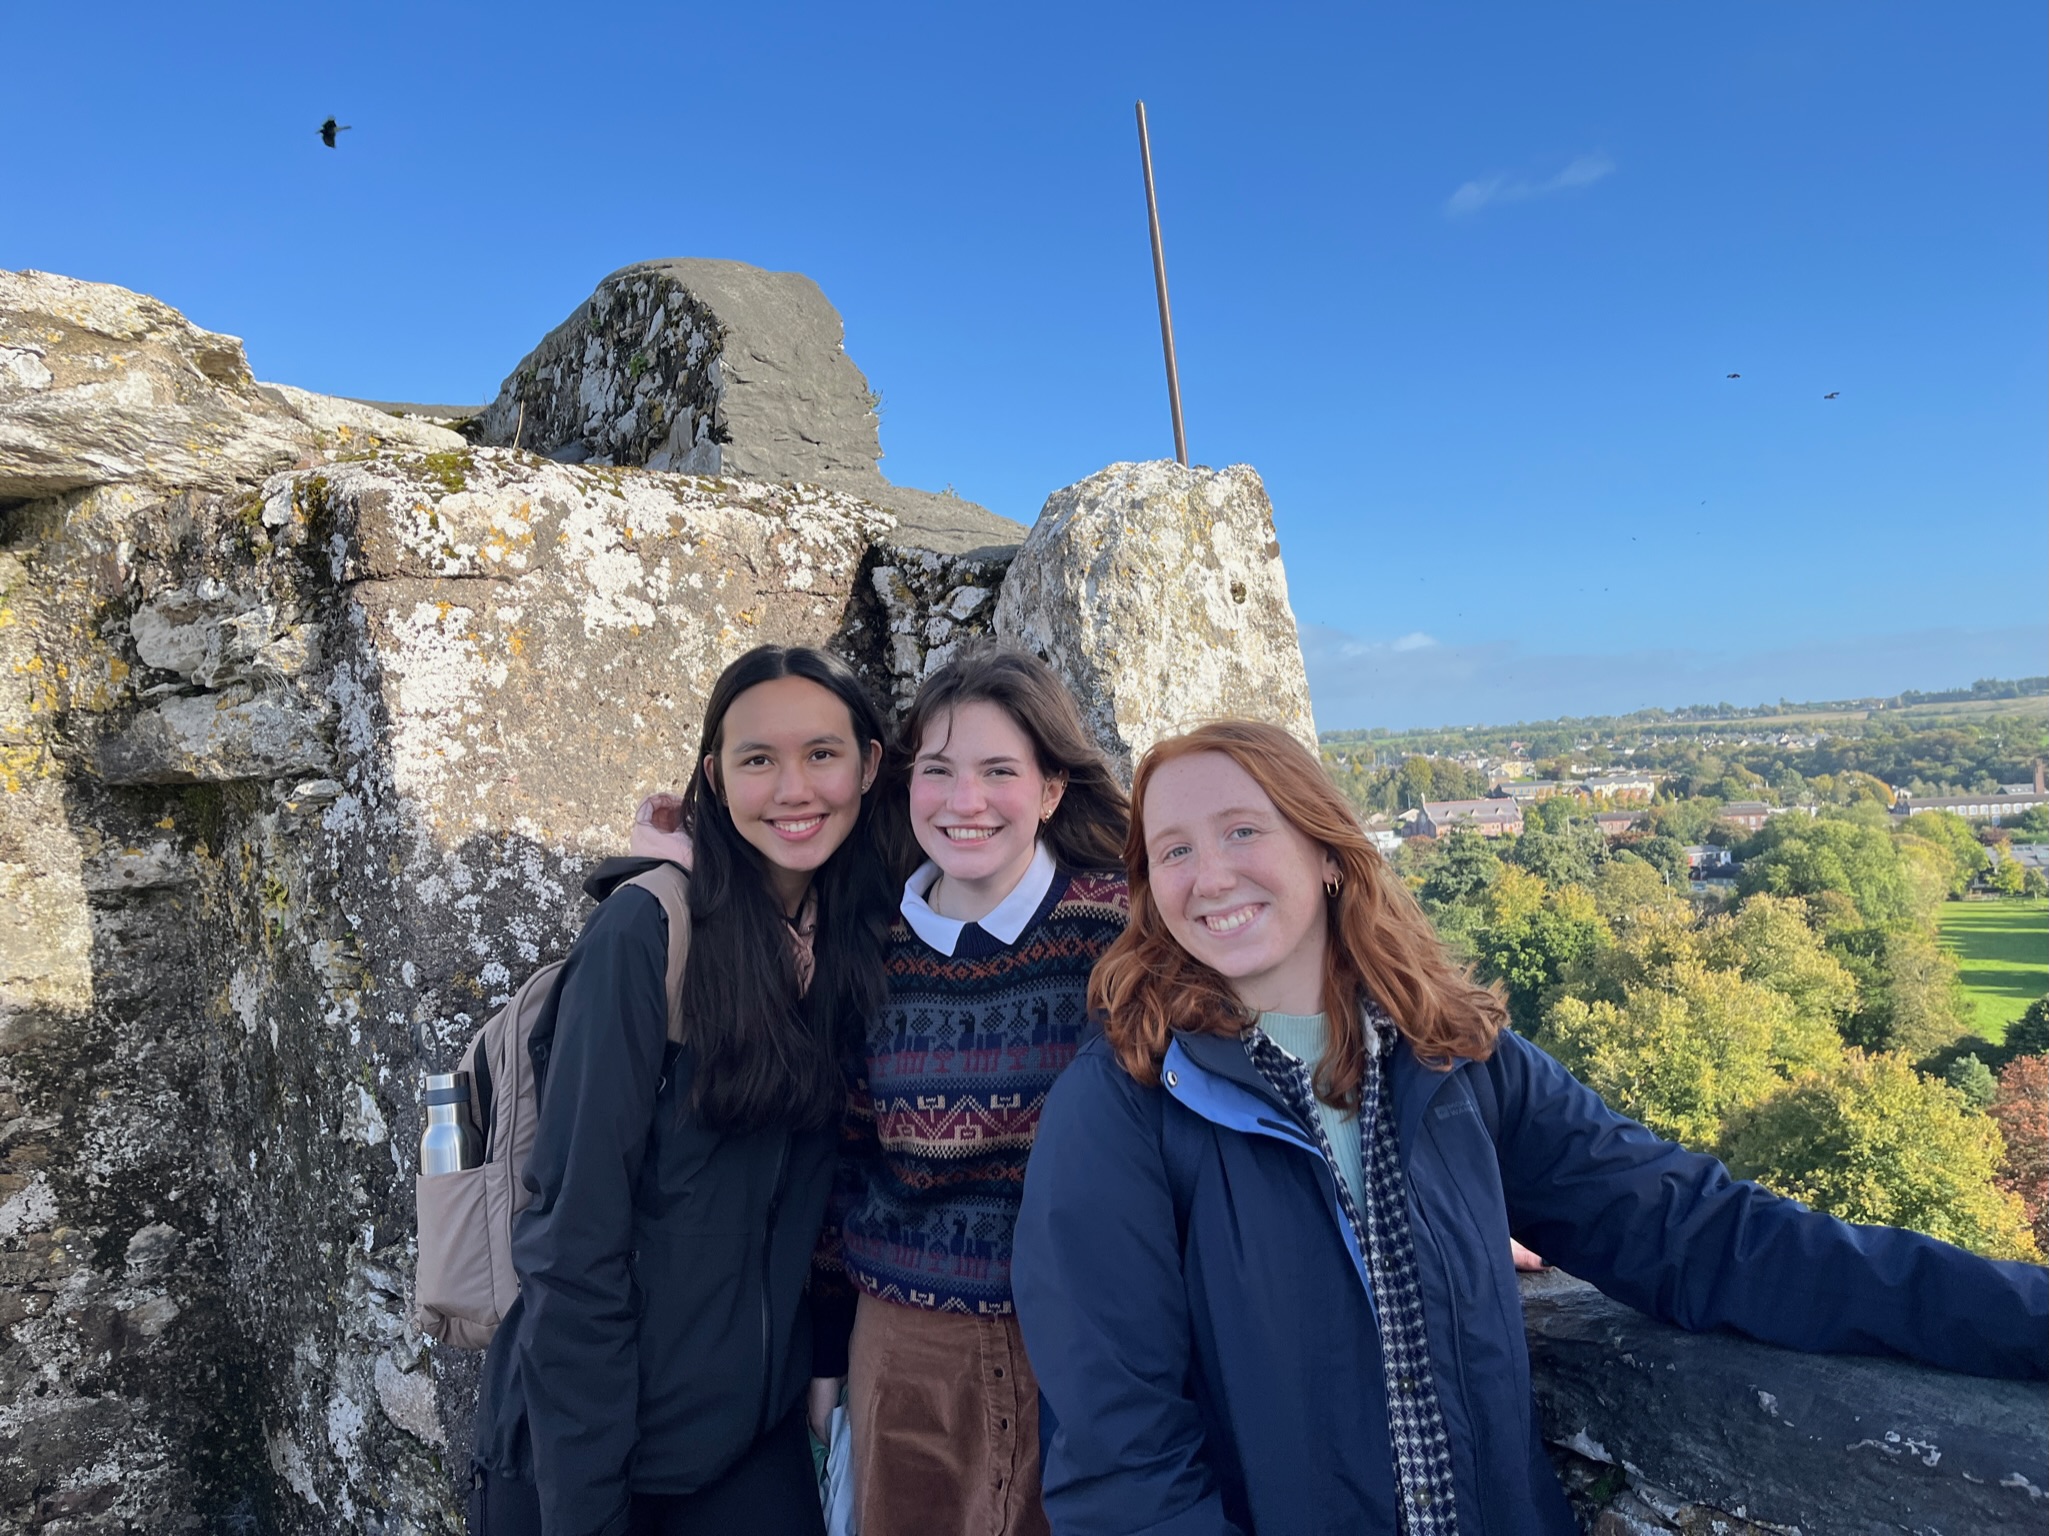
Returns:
point(1381, 947)
point(1087, 830)
point(768, 1053)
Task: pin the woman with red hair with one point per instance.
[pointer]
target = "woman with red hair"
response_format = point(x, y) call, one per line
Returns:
point(1262, 1264)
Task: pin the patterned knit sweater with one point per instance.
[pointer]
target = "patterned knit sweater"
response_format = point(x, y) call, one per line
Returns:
point(947, 1099)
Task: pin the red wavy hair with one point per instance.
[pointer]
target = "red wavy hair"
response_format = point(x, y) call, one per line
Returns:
point(1382, 947)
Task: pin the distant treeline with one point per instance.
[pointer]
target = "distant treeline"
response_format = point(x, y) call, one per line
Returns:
point(1584, 736)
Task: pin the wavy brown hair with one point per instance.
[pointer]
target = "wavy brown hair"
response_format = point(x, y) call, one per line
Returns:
point(1090, 827)
point(1381, 947)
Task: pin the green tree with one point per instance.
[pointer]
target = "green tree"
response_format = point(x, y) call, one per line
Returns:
point(1850, 852)
point(1972, 1079)
point(1965, 857)
point(1685, 1052)
point(1912, 998)
point(1531, 935)
point(1465, 868)
point(2009, 877)
point(1869, 1139)
point(1626, 885)
point(1666, 854)
point(2028, 1035)
point(1552, 858)
point(1767, 940)
point(2031, 826)
point(1685, 821)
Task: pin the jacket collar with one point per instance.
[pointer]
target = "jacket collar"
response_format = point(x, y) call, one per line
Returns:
point(1415, 1084)
point(1224, 1056)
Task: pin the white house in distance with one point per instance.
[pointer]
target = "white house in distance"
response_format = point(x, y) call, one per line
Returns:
point(1997, 809)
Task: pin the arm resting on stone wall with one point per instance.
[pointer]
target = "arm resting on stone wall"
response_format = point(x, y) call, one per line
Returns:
point(1671, 1233)
point(1827, 1443)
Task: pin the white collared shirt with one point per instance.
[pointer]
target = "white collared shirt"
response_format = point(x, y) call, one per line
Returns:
point(1004, 922)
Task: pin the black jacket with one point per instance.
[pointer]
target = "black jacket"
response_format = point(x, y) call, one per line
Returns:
point(661, 1321)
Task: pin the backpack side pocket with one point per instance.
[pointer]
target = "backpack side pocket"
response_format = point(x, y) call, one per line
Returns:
point(453, 1283)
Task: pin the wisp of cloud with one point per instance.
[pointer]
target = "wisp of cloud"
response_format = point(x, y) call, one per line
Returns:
point(1475, 195)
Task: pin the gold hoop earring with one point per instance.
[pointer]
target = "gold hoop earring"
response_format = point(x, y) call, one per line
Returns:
point(1333, 885)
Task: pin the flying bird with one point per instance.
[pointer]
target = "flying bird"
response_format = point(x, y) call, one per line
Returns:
point(329, 129)
point(1731, 375)
point(1831, 394)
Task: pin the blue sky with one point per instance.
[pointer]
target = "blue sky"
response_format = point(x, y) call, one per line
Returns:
point(1462, 282)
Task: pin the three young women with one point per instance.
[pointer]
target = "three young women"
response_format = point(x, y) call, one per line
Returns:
point(1262, 1262)
point(651, 1377)
point(1021, 826)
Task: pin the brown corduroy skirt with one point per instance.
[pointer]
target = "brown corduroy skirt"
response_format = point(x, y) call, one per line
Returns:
point(944, 1414)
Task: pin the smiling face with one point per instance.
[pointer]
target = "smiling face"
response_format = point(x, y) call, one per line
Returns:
point(1238, 886)
point(791, 774)
point(977, 798)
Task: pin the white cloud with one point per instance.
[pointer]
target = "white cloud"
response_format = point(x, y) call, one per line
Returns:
point(1475, 195)
point(1414, 640)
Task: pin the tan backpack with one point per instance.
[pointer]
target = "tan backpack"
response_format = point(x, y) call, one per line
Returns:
point(465, 1281)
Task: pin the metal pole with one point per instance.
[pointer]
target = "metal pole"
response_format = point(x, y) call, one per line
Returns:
point(1152, 213)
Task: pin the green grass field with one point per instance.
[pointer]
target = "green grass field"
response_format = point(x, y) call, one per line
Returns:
point(2002, 947)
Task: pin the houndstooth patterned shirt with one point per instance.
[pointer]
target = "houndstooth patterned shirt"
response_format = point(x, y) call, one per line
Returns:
point(1424, 1503)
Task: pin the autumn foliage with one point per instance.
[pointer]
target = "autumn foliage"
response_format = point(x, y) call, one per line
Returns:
point(2021, 1107)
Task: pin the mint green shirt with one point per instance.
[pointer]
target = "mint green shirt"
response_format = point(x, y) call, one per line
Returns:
point(1302, 1036)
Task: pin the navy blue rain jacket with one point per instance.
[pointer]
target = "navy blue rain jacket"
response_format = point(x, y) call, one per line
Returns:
point(1201, 1323)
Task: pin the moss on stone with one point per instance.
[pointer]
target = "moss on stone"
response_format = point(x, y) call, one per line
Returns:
point(450, 470)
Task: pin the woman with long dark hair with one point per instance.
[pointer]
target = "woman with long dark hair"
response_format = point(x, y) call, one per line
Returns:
point(651, 1376)
point(1021, 828)
point(1262, 1262)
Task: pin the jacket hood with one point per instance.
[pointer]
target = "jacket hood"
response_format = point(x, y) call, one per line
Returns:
point(613, 873)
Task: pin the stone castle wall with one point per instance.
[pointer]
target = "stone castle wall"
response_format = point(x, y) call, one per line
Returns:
point(312, 721)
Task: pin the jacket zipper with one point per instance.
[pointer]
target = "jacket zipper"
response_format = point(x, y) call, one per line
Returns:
point(775, 1200)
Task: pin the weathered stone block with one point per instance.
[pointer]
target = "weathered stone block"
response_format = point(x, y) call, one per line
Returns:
point(719, 368)
point(99, 385)
point(1157, 592)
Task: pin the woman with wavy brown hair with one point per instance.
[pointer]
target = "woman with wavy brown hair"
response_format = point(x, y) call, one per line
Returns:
point(1262, 1263)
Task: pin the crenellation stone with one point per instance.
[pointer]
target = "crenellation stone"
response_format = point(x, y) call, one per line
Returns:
point(1157, 592)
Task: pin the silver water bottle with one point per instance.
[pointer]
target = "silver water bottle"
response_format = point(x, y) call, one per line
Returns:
point(450, 1142)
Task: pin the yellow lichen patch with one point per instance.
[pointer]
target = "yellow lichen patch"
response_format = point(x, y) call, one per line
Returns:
point(19, 767)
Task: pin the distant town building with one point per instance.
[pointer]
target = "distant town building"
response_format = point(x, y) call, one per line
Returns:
point(1615, 823)
point(2027, 855)
point(1705, 859)
point(1529, 791)
point(1380, 832)
point(1490, 818)
point(1997, 809)
point(1750, 815)
point(1623, 786)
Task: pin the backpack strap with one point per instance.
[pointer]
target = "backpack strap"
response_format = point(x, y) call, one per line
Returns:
point(670, 886)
